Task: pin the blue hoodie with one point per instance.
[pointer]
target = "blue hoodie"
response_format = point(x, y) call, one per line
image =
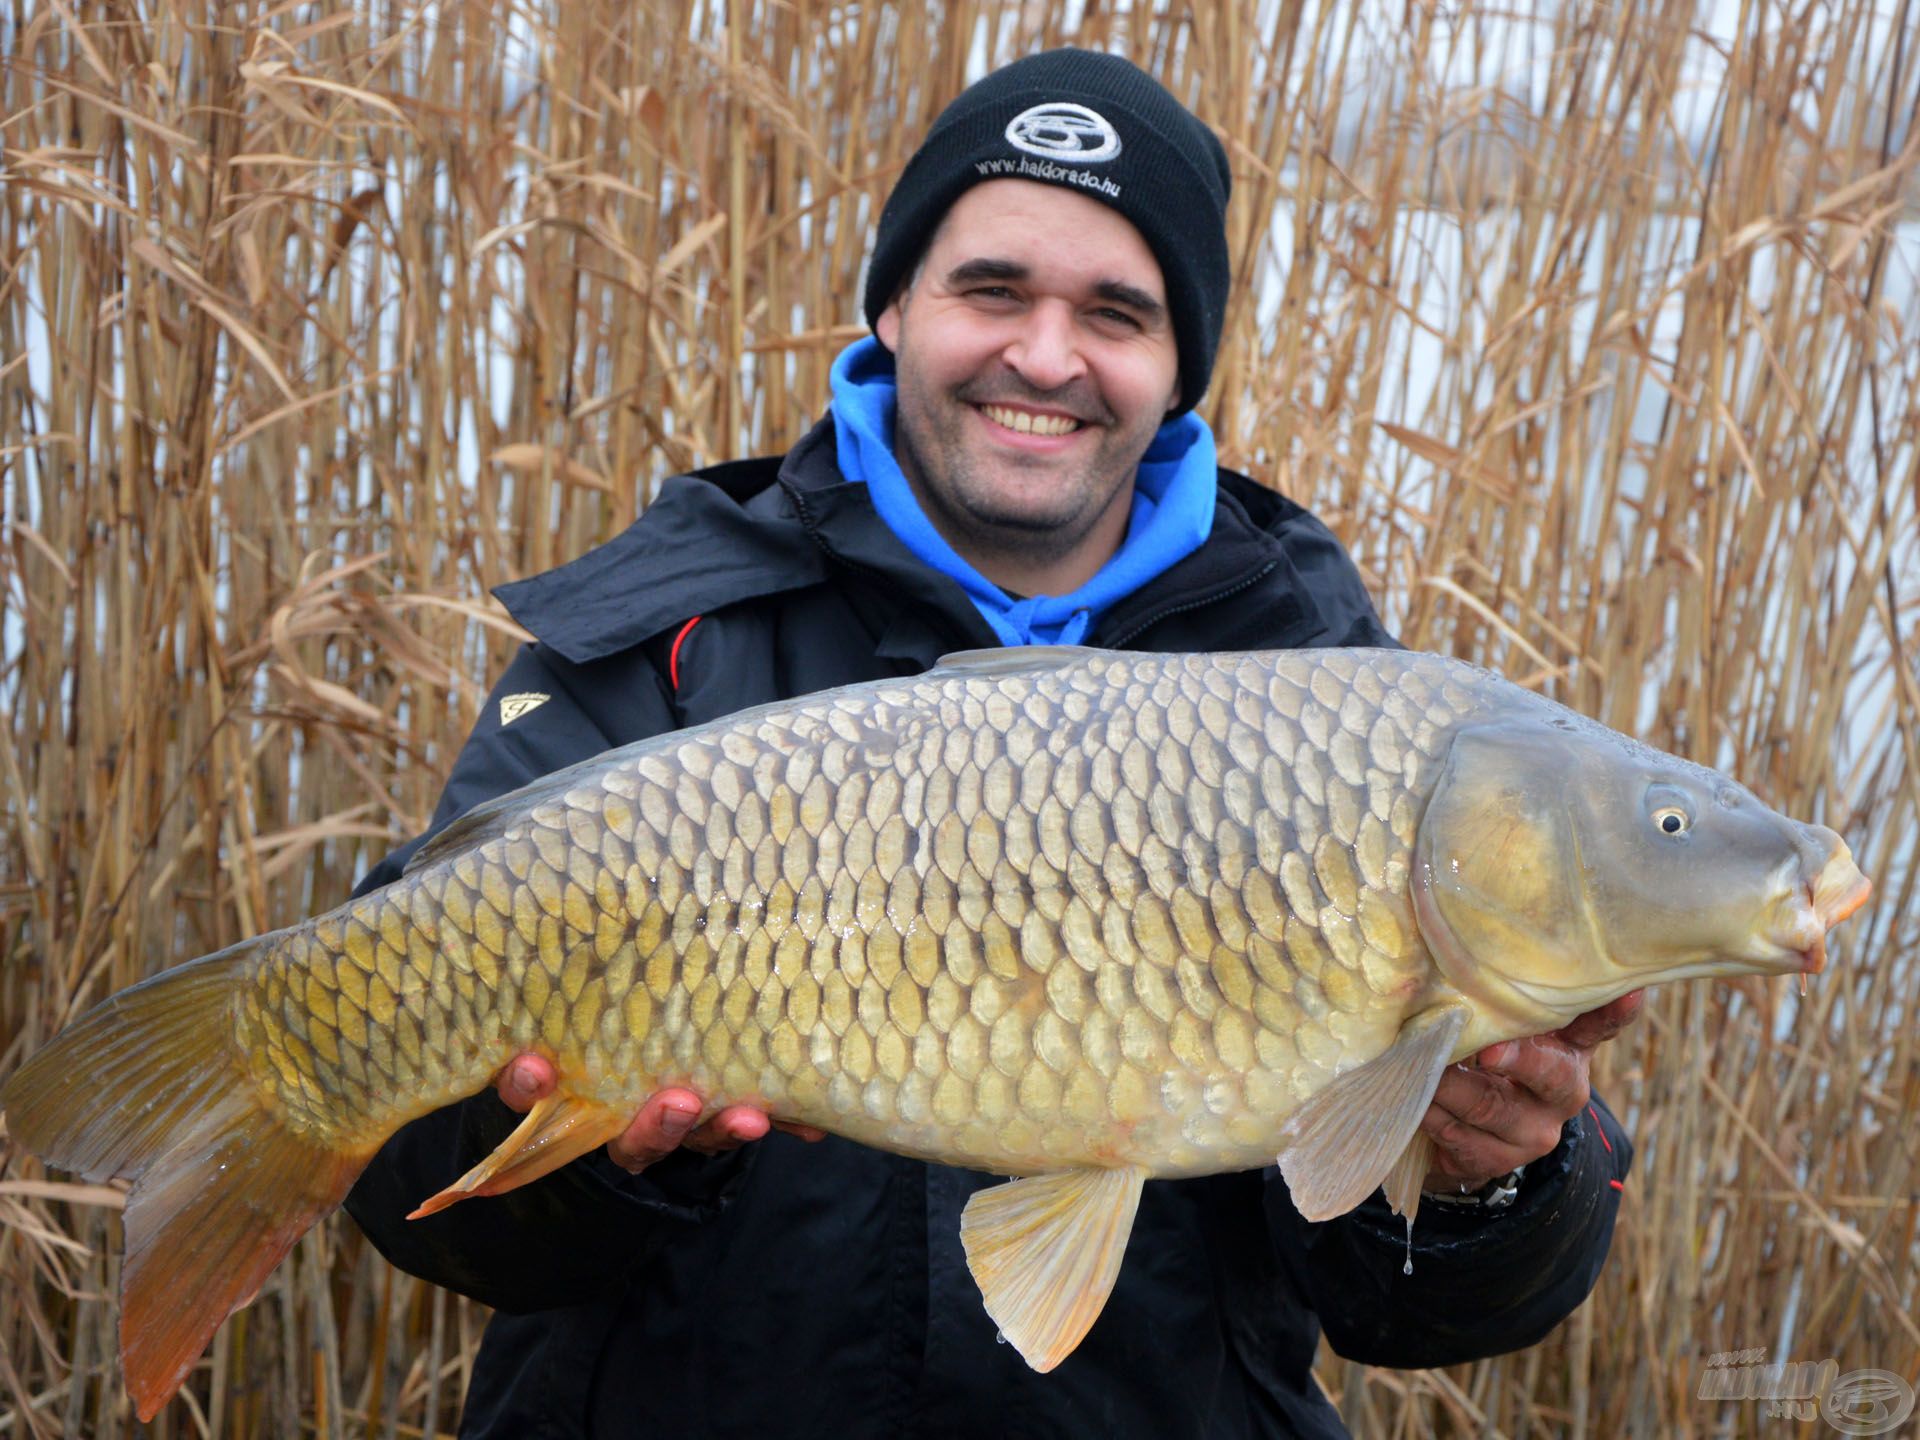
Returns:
point(1173, 497)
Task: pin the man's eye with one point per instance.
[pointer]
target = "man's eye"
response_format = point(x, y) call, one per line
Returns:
point(991, 292)
point(1118, 317)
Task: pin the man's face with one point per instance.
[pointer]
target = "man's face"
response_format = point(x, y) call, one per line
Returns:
point(1035, 359)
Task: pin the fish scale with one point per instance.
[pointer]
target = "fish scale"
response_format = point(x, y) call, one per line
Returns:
point(1073, 915)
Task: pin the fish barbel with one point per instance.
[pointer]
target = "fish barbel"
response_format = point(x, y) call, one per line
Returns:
point(1075, 916)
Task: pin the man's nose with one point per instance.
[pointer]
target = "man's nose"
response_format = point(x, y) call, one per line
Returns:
point(1046, 352)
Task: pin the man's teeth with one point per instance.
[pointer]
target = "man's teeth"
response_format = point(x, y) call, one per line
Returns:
point(1028, 423)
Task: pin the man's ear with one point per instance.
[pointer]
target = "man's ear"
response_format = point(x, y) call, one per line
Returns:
point(887, 326)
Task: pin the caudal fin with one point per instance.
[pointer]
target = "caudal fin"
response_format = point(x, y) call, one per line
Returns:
point(150, 1086)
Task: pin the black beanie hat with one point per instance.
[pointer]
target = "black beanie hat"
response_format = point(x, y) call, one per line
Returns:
point(1096, 124)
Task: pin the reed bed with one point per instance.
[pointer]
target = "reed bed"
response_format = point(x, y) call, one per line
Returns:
point(1594, 330)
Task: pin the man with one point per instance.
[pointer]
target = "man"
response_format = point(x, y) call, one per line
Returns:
point(1013, 458)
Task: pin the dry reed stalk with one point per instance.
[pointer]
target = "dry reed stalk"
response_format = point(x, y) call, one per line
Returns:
point(1594, 330)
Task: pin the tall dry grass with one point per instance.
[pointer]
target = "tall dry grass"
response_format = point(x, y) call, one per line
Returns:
point(1594, 331)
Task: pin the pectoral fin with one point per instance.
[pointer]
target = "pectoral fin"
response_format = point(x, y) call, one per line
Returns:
point(557, 1129)
point(1045, 1252)
point(1349, 1137)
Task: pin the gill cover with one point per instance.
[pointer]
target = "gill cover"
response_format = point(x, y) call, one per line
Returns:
point(1498, 884)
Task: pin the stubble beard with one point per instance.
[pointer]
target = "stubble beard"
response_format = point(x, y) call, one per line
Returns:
point(947, 475)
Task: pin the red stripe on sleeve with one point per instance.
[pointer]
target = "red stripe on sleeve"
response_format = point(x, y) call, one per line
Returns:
point(1596, 1124)
point(673, 655)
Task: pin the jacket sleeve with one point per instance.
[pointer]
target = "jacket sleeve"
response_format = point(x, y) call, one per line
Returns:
point(581, 1231)
point(1483, 1281)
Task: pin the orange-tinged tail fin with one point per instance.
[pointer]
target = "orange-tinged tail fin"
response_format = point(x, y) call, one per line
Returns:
point(150, 1086)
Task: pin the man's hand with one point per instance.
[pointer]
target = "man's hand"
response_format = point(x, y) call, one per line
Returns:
point(1504, 1107)
point(663, 1125)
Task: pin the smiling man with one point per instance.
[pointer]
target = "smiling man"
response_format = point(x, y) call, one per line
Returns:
point(1012, 458)
point(1036, 363)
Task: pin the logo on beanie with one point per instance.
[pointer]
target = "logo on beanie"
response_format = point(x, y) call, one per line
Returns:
point(1061, 130)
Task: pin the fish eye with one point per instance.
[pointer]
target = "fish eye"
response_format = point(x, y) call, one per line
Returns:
point(1670, 809)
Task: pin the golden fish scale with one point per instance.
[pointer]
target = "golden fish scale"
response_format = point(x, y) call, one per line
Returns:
point(1133, 909)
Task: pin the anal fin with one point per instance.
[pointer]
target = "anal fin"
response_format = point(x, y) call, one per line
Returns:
point(1045, 1252)
point(1349, 1138)
point(558, 1129)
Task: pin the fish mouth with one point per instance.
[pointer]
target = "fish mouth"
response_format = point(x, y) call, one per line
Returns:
point(1824, 901)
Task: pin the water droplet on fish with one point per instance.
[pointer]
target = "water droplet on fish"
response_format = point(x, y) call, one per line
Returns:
point(998, 1338)
point(1407, 1269)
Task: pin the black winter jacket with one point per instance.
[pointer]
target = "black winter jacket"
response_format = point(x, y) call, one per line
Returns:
point(798, 1290)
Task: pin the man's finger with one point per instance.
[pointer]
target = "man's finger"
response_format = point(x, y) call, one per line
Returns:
point(1550, 1072)
point(526, 1079)
point(1588, 1030)
point(1474, 1110)
point(1485, 1124)
point(1465, 1155)
point(729, 1130)
point(663, 1123)
point(1474, 1099)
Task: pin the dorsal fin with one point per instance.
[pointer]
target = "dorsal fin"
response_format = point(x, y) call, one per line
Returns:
point(490, 818)
point(1013, 660)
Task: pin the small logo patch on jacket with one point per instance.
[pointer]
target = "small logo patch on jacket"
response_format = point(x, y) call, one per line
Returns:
point(512, 707)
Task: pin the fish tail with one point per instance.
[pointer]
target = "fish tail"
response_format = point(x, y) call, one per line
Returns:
point(152, 1086)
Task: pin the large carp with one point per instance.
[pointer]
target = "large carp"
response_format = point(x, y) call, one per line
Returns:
point(1077, 916)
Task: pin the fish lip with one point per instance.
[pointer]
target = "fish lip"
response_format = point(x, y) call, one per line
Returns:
point(1834, 904)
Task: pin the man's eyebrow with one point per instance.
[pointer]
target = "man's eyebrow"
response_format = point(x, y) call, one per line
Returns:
point(1132, 296)
point(971, 272)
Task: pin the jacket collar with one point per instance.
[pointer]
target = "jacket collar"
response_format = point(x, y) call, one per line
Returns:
point(708, 540)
